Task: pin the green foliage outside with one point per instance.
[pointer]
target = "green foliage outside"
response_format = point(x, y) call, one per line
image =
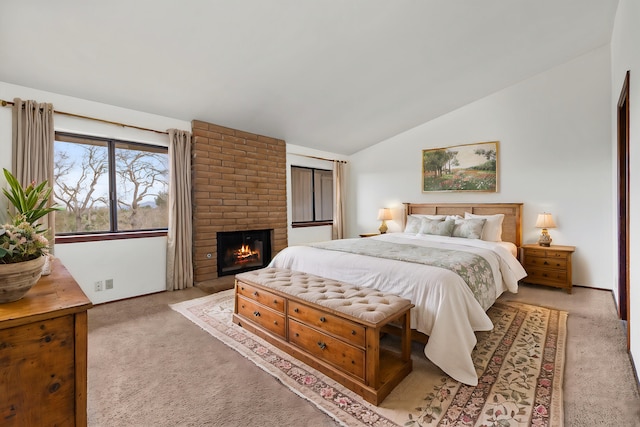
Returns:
point(96, 219)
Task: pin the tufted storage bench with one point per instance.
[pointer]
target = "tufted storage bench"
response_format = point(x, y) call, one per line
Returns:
point(332, 326)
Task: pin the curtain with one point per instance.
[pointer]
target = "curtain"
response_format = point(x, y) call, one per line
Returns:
point(180, 236)
point(301, 194)
point(32, 149)
point(338, 230)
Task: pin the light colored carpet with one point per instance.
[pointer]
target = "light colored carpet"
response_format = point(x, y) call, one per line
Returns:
point(519, 363)
point(150, 366)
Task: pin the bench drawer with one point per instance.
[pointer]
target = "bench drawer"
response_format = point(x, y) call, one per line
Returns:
point(265, 298)
point(334, 325)
point(325, 347)
point(262, 316)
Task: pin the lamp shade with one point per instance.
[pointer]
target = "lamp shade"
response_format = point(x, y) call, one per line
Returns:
point(384, 214)
point(545, 220)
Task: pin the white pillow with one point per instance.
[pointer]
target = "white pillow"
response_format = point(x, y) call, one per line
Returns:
point(492, 231)
point(429, 216)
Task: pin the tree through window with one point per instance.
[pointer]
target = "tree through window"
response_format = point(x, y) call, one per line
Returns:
point(106, 185)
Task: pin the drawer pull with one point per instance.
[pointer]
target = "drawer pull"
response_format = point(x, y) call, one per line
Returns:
point(256, 313)
point(322, 345)
point(296, 310)
point(242, 287)
point(353, 332)
point(546, 263)
point(297, 334)
point(275, 301)
point(322, 319)
point(275, 322)
point(255, 294)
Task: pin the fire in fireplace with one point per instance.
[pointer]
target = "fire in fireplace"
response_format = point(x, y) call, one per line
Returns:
point(240, 251)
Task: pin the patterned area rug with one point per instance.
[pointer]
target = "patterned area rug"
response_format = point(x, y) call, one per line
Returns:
point(520, 366)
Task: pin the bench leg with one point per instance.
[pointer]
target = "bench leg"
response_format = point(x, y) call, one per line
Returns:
point(406, 337)
point(372, 373)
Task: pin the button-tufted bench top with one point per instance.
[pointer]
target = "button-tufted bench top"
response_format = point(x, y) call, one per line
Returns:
point(362, 303)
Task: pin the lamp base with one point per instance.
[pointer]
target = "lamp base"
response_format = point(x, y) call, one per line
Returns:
point(383, 227)
point(545, 239)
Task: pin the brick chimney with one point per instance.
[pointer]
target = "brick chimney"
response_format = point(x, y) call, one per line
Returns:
point(239, 184)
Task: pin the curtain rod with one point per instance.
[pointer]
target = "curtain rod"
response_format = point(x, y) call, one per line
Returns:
point(320, 158)
point(7, 103)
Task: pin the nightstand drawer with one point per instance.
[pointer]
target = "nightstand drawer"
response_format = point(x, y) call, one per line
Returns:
point(546, 276)
point(536, 262)
point(548, 253)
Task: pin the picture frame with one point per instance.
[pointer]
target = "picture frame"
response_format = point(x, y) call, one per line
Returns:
point(468, 167)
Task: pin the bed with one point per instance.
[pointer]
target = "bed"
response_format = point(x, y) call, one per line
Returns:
point(451, 280)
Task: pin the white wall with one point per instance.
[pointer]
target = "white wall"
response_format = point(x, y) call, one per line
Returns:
point(298, 156)
point(555, 155)
point(626, 56)
point(136, 265)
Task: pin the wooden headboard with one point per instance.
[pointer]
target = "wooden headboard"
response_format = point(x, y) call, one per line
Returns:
point(511, 226)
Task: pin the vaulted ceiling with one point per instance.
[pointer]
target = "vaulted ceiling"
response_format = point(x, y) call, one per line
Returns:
point(335, 75)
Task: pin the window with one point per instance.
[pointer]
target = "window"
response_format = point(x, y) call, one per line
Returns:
point(109, 186)
point(312, 196)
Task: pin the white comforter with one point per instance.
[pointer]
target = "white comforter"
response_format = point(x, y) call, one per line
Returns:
point(446, 309)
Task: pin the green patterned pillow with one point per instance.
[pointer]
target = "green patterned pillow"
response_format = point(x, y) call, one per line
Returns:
point(439, 227)
point(468, 228)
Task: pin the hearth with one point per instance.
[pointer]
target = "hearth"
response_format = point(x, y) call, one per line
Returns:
point(240, 251)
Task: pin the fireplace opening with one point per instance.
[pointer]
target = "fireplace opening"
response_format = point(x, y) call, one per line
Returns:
point(240, 251)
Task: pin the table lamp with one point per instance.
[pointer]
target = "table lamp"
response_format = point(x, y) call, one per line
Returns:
point(384, 215)
point(545, 221)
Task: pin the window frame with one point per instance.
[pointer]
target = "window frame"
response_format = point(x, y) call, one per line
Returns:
point(314, 222)
point(113, 233)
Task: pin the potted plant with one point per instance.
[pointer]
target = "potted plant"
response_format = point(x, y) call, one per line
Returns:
point(23, 245)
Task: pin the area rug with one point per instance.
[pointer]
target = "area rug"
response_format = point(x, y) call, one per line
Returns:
point(520, 366)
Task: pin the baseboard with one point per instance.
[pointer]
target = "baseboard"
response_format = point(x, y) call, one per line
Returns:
point(635, 371)
point(593, 287)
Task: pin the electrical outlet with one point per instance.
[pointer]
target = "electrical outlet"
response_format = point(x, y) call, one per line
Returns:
point(98, 286)
point(108, 284)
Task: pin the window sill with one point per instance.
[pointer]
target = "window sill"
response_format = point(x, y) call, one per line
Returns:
point(80, 238)
point(311, 224)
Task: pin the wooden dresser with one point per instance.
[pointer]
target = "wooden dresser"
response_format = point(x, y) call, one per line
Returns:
point(43, 354)
point(550, 266)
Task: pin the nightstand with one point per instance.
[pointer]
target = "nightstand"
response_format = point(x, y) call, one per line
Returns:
point(369, 234)
point(549, 266)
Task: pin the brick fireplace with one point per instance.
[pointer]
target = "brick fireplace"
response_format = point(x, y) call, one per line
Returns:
point(239, 184)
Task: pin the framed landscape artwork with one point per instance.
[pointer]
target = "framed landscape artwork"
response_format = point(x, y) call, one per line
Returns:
point(470, 167)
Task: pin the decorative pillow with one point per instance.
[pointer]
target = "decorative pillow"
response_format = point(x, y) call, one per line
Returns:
point(413, 224)
point(468, 228)
point(492, 231)
point(439, 227)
